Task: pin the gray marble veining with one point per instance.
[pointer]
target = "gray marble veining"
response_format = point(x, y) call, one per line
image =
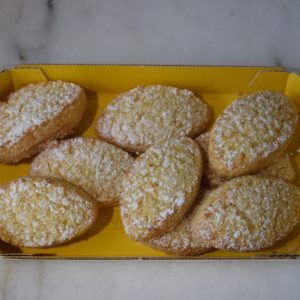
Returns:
point(228, 32)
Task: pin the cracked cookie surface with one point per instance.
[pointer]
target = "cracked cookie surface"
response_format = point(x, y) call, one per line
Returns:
point(160, 188)
point(250, 132)
point(143, 116)
point(43, 212)
point(96, 166)
point(37, 114)
point(247, 213)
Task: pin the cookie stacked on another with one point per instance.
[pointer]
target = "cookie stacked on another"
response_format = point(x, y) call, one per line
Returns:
point(160, 188)
point(95, 166)
point(280, 168)
point(181, 240)
point(251, 132)
point(36, 114)
point(249, 213)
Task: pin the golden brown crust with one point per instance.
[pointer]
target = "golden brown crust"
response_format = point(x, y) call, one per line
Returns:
point(43, 212)
point(180, 240)
point(147, 115)
point(281, 167)
point(251, 132)
point(247, 213)
point(210, 178)
point(160, 188)
point(20, 140)
point(95, 166)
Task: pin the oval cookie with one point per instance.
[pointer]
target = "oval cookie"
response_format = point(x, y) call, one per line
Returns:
point(94, 165)
point(247, 213)
point(36, 114)
point(40, 212)
point(160, 188)
point(281, 167)
point(250, 132)
point(180, 240)
point(147, 115)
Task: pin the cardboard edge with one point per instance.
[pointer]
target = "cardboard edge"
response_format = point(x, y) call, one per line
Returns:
point(146, 258)
point(33, 75)
point(270, 68)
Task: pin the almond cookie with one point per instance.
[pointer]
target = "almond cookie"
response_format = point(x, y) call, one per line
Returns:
point(210, 178)
point(160, 188)
point(180, 240)
point(281, 167)
point(147, 115)
point(40, 212)
point(251, 132)
point(36, 114)
point(94, 165)
point(247, 213)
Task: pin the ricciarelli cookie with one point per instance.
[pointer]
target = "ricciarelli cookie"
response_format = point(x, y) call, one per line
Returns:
point(160, 188)
point(40, 212)
point(281, 167)
point(180, 240)
point(95, 166)
point(251, 132)
point(144, 116)
point(37, 114)
point(247, 213)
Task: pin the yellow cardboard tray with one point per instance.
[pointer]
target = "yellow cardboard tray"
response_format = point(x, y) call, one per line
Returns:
point(217, 85)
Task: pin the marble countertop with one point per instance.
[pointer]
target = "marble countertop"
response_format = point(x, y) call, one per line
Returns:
point(222, 32)
point(225, 32)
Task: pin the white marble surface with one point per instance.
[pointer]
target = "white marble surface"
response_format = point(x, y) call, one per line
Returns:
point(226, 280)
point(227, 32)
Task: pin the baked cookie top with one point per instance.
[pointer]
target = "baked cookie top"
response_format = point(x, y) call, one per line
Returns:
point(95, 166)
point(180, 240)
point(280, 167)
point(33, 105)
point(251, 130)
point(143, 116)
point(247, 213)
point(40, 212)
point(160, 188)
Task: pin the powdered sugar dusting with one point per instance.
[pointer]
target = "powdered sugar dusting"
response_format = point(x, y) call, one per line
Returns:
point(180, 240)
point(154, 193)
point(280, 167)
point(37, 213)
point(94, 165)
point(147, 115)
point(252, 128)
point(248, 213)
point(31, 106)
